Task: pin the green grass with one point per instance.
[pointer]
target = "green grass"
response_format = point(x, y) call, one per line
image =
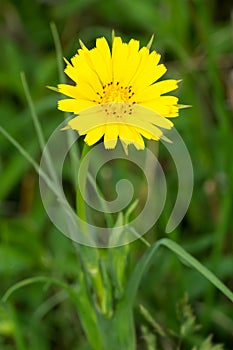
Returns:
point(195, 39)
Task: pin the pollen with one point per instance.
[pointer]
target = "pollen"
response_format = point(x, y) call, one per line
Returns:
point(114, 92)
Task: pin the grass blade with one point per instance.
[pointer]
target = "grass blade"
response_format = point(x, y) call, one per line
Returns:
point(147, 260)
point(33, 111)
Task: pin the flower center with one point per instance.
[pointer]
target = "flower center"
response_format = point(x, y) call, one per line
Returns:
point(117, 111)
point(114, 92)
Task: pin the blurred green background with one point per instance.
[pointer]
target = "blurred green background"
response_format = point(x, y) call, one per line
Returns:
point(195, 38)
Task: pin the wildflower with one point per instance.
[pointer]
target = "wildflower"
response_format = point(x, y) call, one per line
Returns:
point(116, 94)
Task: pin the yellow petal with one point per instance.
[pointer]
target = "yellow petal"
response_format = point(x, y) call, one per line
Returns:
point(167, 100)
point(129, 135)
point(82, 70)
point(150, 116)
point(147, 127)
point(72, 105)
point(99, 66)
point(88, 119)
point(81, 91)
point(166, 86)
point(142, 58)
point(104, 51)
point(119, 56)
point(94, 135)
point(147, 134)
point(111, 135)
point(148, 70)
point(87, 91)
point(68, 90)
point(149, 75)
point(130, 62)
point(138, 140)
point(133, 47)
point(154, 91)
point(164, 105)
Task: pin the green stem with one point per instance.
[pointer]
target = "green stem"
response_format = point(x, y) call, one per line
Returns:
point(80, 201)
point(94, 267)
point(118, 332)
point(90, 272)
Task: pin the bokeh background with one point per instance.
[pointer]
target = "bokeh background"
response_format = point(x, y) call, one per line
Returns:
point(195, 38)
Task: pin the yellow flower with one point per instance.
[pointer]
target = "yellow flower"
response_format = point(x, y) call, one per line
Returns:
point(116, 94)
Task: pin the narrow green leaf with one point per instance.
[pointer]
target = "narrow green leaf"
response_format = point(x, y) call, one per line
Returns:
point(58, 51)
point(34, 116)
point(20, 149)
point(37, 126)
point(32, 280)
point(80, 297)
point(147, 259)
point(35, 165)
point(145, 262)
point(194, 263)
point(130, 210)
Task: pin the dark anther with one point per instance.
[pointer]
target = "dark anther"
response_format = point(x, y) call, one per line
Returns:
point(98, 93)
point(117, 83)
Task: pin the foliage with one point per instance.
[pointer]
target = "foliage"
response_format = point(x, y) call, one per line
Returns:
point(195, 39)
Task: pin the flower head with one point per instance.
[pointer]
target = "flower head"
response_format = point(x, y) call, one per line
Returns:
point(116, 94)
